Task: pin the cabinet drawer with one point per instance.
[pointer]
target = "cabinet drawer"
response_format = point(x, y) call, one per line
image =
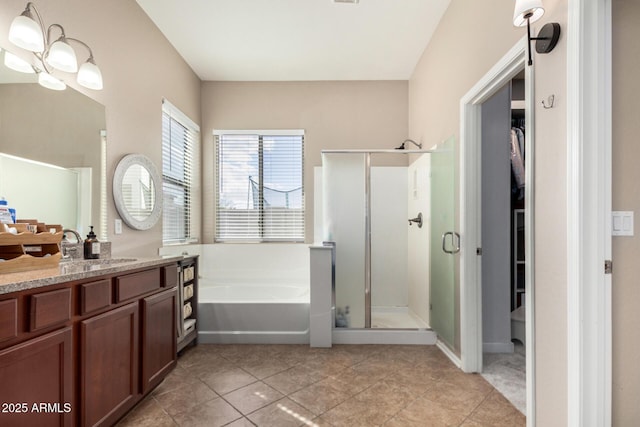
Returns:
point(132, 285)
point(50, 308)
point(170, 276)
point(8, 319)
point(95, 295)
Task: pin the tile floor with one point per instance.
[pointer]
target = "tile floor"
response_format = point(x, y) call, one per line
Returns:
point(347, 385)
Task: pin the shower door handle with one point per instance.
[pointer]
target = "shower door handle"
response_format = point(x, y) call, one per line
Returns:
point(455, 242)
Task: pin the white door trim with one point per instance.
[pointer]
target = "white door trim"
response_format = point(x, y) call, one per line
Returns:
point(589, 166)
point(470, 205)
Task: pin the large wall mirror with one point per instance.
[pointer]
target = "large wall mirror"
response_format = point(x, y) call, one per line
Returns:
point(137, 191)
point(53, 129)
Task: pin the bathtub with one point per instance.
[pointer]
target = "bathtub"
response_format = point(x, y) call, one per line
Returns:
point(266, 302)
point(247, 293)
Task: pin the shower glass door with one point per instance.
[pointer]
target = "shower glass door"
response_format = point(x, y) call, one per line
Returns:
point(443, 242)
point(344, 212)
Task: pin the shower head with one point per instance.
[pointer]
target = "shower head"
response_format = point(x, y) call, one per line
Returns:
point(402, 147)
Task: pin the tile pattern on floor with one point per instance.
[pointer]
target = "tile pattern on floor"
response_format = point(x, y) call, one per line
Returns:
point(295, 385)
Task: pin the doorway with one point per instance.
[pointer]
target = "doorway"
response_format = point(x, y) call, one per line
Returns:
point(471, 274)
point(502, 258)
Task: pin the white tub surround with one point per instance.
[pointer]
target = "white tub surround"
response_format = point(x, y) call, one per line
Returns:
point(233, 293)
point(253, 321)
point(254, 293)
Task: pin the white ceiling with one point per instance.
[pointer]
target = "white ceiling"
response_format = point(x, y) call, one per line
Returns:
point(292, 40)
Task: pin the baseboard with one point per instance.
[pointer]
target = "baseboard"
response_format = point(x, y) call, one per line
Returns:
point(497, 347)
point(449, 353)
point(253, 337)
point(383, 336)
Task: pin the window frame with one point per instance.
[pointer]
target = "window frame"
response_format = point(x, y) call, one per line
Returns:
point(186, 182)
point(218, 134)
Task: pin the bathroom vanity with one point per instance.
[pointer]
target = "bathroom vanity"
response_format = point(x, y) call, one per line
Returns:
point(82, 343)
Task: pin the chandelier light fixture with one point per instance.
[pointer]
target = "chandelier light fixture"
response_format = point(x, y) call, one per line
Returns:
point(52, 53)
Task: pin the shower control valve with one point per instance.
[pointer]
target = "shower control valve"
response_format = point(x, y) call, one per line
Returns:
point(417, 220)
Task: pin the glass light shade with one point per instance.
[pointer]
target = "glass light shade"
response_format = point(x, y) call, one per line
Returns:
point(26, 33)
point(62, 57)
point(50, 82)
point(531, 8)
point(90, 76)
point(17, 64)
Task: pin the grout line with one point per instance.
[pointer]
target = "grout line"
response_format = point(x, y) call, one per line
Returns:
point(380, 354)
point(468, 417)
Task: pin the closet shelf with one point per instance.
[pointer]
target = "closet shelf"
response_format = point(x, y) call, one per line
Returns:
point(517, 104)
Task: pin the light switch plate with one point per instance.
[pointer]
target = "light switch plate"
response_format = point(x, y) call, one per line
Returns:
point(622, 223)
point(118, 226)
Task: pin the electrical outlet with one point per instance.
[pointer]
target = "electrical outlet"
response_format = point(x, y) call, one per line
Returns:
point(118, 226)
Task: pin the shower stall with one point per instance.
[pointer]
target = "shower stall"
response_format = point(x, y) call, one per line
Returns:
point(390, 215)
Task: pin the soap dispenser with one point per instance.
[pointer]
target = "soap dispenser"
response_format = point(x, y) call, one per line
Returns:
point(91, 246)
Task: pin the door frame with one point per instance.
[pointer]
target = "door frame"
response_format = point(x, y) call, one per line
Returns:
point(589, 190)
point(589, 185)
point(470, 207)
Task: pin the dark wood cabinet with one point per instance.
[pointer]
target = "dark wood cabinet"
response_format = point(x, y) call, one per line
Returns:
point(135, 284)
point(109, 362)
point(8, 319)
point(36, 380)
point(159, 353)
point(85, 352)
point(50, 309)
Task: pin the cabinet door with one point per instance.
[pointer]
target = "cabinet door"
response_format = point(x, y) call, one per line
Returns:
point(35, 382)
point(158, 337)
point(109, 365)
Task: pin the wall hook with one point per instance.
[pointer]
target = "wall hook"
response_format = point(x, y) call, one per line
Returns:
point(550, 100)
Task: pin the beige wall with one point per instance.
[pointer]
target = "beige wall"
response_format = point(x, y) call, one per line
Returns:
point(332, 114)
point(472, 37)
point(139, 68)
point(626, 197)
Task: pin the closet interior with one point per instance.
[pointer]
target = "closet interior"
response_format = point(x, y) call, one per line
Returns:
point(517, 147)
point(503, 257)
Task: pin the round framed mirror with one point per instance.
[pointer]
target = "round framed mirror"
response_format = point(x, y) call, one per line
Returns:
point(137, 191)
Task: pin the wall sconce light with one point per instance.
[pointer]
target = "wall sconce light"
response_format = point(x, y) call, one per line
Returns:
point(29, 34)
point(529, 11)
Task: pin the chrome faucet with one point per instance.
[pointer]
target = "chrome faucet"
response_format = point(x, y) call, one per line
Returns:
point(71, 251)
point(74, 232)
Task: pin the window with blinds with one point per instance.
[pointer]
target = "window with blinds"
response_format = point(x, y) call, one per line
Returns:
point(179, 138)
point(259, 188)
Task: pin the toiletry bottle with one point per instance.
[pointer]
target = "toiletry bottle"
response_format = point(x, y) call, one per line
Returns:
point(7, 215)
point(91, 246)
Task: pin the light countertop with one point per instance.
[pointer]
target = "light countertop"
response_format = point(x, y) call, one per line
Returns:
point(68, 271)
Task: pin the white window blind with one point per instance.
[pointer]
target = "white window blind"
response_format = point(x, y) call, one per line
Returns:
point(259, 188)
point(179, 138)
